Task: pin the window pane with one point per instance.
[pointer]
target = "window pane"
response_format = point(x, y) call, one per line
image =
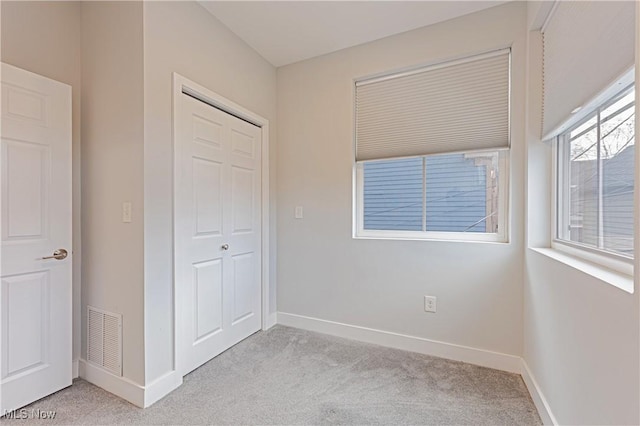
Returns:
point(393, 195)
point(583, 189)
point(583, 127)
point(617, 106)
point(618, 151)
point(600, 182)
point(462, 192)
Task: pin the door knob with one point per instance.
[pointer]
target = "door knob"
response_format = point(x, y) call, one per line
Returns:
point(57, 255)
point(225, 247)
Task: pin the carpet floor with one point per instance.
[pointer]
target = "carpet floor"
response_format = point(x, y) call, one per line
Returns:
point(290, 376)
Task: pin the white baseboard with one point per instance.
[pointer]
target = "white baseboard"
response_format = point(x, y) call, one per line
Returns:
point(484, 358)
point(119, 386)
point(161, 387)
point(138, 395)
point(75, 368)
point(272, 319)
point(537, 396)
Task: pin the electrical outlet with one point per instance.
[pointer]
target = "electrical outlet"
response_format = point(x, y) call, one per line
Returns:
point(299, 213)
point(430, 304)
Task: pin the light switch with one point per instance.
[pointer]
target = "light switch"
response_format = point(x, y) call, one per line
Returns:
point(299, 212)
point(126, 212)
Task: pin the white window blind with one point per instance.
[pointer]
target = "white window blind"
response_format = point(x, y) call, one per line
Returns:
point(456, 106)
point(588, 45)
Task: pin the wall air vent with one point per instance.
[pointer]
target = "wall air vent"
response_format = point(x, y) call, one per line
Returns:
point(104, 340)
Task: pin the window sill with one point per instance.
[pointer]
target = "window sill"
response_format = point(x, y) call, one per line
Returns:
point(434, 236)
point(617, 279)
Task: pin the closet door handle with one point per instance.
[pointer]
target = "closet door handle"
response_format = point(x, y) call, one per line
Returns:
point(225, 247)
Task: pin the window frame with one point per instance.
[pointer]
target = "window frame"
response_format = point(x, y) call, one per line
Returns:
point(502, 236)
point(561, 203)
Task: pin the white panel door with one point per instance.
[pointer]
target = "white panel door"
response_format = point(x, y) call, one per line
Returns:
point(36, 221)
point(218, 231)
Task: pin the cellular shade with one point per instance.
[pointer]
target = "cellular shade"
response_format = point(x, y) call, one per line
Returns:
point(456, 106)
point(588, 45)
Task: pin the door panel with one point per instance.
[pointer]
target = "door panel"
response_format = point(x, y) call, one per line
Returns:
point(207, 197)
point(36, 220)
point(242, 196)
point(208, 298)
point(28, 106)
point(26, 304)
point(244, 288)
point(218, 235)
point(25, 189)
point(243, 144)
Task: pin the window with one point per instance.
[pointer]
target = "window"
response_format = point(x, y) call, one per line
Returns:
point(432, 146)
point(595, 179)
point(452, 196)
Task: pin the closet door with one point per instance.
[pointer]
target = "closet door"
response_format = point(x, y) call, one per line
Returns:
point(218, 231)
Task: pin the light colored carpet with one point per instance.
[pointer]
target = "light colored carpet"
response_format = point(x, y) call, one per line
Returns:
point(291, 376)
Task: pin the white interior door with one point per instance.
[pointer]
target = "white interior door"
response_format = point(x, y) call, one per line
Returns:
point(36, 221)
point(218, 231)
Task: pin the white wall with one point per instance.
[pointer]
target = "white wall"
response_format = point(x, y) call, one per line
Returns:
point(112, 170)
point(322, 271)
point(581, 344)
point(581, 335)
point(44, 38)
point(183, 37)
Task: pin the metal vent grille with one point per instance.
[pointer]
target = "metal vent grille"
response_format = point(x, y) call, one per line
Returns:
point(104, 340)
